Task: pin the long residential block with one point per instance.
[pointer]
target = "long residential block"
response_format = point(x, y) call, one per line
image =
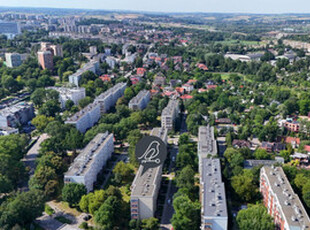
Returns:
point(90, 161)
point(140, 101)
point(145, 188)
point(92, 66)
point(86, 118)
point(109, 98)
point(213, 198)
point(281, 201)
point(169, 114)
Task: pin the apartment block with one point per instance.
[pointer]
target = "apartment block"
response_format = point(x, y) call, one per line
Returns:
point(86, 118)
point(206, 143)
point(73, 94)
point(140, 101)
point(281, 201)
point(92, 66)
point(9, 29)
point(145, 188)
point(46, 59)
point(109, 98)
point(213, 198)
point(90, 161)
point(56, 50)
point(169, 114)
point(15, 115)
point(13, 60)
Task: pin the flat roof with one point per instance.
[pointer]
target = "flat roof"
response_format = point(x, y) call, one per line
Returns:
point(170, 108)
point(86, 158)
point(140, 96)
point(213, 189)
point(290, 204)
point(206, 140)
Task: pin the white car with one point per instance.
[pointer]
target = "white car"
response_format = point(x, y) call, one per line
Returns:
point(169, 201)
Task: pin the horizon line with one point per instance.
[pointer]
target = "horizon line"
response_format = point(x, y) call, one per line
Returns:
point(149, 11)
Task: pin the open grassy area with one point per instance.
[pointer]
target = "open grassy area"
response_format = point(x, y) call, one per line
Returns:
point(64, 206)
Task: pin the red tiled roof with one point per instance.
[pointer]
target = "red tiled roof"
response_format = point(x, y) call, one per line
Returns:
point(307, 148)
point(186, 97)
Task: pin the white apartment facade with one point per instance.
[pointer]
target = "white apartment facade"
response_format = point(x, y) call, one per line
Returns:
point(140, 101)
point(169, 114)
point(90, 161)
point(73, 94)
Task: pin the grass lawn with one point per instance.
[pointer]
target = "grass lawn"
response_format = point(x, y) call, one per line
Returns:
point(63, 220)
point(65, 208)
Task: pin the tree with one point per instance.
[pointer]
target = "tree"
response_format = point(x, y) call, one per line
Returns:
point(150, 224)
point(186, 178)
point(85, 101)
point(69, 104)
point(5, 184)
point(22, 209)
point(187, 214)
point(50, 108)
point(244, 185)
point(73, 140)
point(255, 217)
point(38, 97)
point(41, 121)
point(122, 173)
point(107, 215)
point(261, 154)
point(73, 192)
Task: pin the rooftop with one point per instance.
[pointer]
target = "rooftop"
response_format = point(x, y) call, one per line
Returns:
point(170, 108)
point(86, 158)
point(206, 140)
point(110, 91)
point(14, 108)
point(82, 112)
point(140, 96)
point(213, 189)
point(293, 210)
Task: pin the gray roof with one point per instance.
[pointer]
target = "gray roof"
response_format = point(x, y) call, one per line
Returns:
point(170, 108)
point(206, 141)
point(140, 96)
point(293, 210)
point(212, 189)
point(86, 158)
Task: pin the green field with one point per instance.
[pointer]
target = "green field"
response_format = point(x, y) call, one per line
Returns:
point(243, 42)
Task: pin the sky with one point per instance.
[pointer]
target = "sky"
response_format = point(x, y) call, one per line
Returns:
point(220, 6)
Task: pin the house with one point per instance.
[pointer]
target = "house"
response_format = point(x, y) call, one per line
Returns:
point(241, 144)
point(202, 66)
point(180, 90)
point(188, 87)
point(141, 72)
point(211, 86)
point(191, 81)
point(294, 141)
point(160, 80)
point(186, 97)
point(292, 126)
point(105, 78)
point(223, 121)
point(273, 146)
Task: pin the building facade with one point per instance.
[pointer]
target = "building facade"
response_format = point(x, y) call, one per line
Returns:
point(140, 101)
point(90, 161)
point(92, 66)
point(281, 201)
point(13, 60)
point(15, 115)
point(73, 94)
point(109, 98)
point(45, 59)
point(213, 198)
point(145, 188)
point(9, 29)
point(86, 118)
point(169, 114)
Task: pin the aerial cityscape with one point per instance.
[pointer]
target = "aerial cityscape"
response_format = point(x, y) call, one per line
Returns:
point(148, 116)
